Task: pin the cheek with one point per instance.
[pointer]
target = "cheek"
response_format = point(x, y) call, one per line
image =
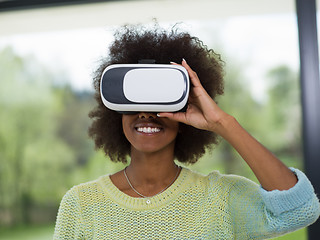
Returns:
point(128, 135)
point(126, 128)
point(171, 132)
point(174, 127)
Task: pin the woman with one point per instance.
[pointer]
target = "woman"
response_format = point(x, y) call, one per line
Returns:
point(153, 198)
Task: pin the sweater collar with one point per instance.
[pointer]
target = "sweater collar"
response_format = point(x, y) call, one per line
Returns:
point(136, 203)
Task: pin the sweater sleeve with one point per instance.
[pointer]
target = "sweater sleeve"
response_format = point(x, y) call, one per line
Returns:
point(69, 220)
point(259, 214)
point(279, 202)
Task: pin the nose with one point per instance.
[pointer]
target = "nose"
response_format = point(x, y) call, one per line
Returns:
point(147, 115)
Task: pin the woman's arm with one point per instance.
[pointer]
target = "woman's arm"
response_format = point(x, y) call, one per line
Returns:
point(204, 113)
point(269, 170)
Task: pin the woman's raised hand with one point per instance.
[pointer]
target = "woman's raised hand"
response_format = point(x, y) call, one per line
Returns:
point(202, 111)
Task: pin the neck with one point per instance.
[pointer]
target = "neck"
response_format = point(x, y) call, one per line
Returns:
point(151, 168)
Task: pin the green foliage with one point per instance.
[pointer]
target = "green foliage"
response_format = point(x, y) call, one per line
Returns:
point(297, 235)
point(44, 149)
point(31, 153)
point(73, 122)
point(33, 232)
point(283, 112)
point(283, 116)
point(97, 165)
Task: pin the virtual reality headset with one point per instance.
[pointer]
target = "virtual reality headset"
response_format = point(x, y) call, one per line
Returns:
point(131, 88)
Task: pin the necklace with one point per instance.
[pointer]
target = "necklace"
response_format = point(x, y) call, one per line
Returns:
point(141, 195)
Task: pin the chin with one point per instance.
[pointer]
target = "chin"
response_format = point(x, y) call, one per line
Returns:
point(152, 149)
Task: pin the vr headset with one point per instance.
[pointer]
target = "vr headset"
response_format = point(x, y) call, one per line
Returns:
point(132, 88)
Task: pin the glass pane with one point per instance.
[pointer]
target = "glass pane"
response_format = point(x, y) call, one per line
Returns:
point(46, 93)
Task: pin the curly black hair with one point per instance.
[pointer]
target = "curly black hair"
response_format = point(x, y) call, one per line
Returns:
point(133, 43)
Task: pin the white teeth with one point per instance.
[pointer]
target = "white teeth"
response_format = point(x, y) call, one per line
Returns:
point(148, 130)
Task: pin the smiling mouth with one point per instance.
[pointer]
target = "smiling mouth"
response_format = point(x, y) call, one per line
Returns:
point(148, 129)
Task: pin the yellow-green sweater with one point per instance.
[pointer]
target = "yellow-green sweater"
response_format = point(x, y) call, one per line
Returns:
point(216, 206)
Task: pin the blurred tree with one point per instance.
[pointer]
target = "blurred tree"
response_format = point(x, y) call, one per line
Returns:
point(31, 155)
point(239, 102)
point(283, 115)
point(73, 122)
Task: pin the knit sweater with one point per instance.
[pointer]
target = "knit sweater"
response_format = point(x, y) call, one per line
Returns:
point(216, 206)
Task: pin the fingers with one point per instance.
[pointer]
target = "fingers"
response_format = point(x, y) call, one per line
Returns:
point(174, 63)
point(197, 89)
point(192, 74)
point(179, 116)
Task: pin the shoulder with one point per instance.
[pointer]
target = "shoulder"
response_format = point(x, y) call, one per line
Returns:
point(222, 182)
point(217, 179)
point(86, 190)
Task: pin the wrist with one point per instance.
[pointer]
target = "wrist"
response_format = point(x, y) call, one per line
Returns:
point(224, 125)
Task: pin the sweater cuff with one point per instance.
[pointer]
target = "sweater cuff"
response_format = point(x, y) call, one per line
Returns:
point(281, 201)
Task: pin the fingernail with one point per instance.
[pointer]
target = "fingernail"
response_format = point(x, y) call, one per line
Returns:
point(173, 62)
point(184, 60)
point(158, 115)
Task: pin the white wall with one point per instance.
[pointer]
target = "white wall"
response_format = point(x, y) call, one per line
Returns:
point(141, 11)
